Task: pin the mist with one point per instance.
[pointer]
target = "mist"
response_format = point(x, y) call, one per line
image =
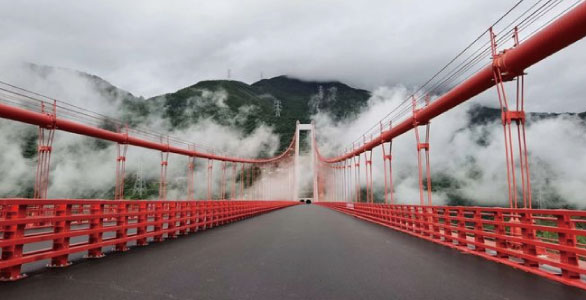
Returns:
point(467, 159)
point(83, 167)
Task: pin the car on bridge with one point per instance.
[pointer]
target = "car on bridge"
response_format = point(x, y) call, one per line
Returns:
point(306, 200)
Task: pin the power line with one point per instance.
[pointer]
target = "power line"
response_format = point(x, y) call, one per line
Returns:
point(465, 64)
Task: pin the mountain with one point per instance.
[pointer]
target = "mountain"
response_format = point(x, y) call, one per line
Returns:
point(303, 98)
point(227, 102)
point(49, 73)
point(235, 103)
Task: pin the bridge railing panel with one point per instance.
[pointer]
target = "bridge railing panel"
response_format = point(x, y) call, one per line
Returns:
point(36, 230)
point(550, 243)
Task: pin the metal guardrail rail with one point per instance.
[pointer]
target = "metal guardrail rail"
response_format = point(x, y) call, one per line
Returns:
point(549, 243)
point(102, 223)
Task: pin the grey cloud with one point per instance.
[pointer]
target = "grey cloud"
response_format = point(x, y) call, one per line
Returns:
point(152, 47)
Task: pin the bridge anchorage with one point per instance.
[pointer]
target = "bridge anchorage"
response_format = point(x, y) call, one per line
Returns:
point(550, 243)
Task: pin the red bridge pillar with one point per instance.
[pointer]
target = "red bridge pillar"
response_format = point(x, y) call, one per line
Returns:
point(163, 178)
point(425, 147)
point(242, 179)
point(357, 178)
point(234, 175)
point(62, 243)
point(368, 174)
point(509, 116)
point(388, 169)
point(45, 142)
point(191, 175)
point(223, 182)
point(121, 168)
point(210, 184)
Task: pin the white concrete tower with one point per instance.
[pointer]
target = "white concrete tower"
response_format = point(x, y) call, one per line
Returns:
point(298, 128)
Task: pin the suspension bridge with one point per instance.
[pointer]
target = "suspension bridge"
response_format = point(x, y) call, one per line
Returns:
point(186, 249)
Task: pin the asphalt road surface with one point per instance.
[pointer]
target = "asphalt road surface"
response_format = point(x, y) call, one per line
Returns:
point(301, 252)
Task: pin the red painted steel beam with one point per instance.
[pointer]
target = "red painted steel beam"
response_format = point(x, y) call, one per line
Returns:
point(568, 29)
point(48, 121)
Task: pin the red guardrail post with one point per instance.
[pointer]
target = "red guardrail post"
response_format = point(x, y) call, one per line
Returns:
point(13, 251)
point(416, 219)
point(122, 221)
point(528, 235)
point(448, 226)
point(158, 222)
point(375, 212)
point(479, 228)
point(244, 210)
point(206, 215)
point(399, 216)
point(385, 212)
point(172, 220)
point(216, 213)
point(229, 212)
point(409, 215)
point(435, 223)
point(462, 228)
point(61, 243)
point(199, 215)
point(391, 214)
point(420, 219)
point(96, 225)
point(500, 231)
point(239, 210)
point(569, 240)
point(220, 213)
point(225, 212)
point(426, 221)
point(183, 218)
point(402, 216)
point(210, 214)
point(143, 215)
point(410, 218)
point(192, 216)
point(199, 205)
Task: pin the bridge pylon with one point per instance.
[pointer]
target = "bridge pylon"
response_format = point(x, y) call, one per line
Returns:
point(298, 128)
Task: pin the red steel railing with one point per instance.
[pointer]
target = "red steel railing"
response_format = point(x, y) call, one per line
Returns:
point(550, 243)
point(103, 223)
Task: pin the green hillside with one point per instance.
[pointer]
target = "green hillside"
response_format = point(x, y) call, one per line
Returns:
point(234, 103)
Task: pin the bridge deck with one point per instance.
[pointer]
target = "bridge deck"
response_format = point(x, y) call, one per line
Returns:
point(302, 252)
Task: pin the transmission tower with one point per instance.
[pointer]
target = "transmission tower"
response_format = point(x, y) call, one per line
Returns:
point(138, 188)
point(278, 108)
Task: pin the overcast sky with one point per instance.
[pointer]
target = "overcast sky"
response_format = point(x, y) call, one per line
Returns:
point(154, 47)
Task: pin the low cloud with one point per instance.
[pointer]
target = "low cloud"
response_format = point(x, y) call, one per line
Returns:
point(468, 161)
point(156, 47)
point(85, 167)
